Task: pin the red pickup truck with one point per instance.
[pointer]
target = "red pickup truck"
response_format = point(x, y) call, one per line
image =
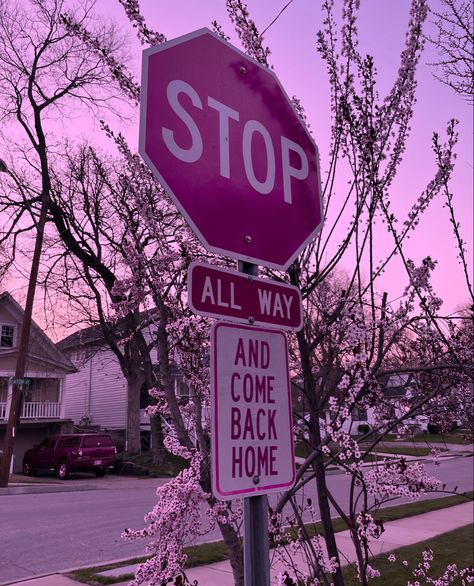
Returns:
point(93, 452)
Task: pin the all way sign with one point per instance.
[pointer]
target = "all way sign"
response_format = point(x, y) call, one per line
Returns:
point(251, 412)
point(216, 292)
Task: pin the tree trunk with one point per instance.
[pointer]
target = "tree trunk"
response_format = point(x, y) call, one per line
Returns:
point(315, 438)
point(158, 452)
point(229, 533)
point(165, 374)
point(325, 512)
point(133, 416)
point(236, 555)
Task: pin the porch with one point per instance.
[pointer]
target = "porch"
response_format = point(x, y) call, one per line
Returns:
point(34, 410)
point(41, 399)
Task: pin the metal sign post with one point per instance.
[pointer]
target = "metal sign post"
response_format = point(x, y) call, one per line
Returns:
point(256, 544)
point(239, 188)
point(256, 548)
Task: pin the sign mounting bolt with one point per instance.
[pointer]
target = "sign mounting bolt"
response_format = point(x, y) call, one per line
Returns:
point(256, 479)
point(248, 239)
point(251, 319)
point(243, 70)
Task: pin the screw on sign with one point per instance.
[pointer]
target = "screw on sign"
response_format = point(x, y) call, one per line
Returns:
point(220, 134)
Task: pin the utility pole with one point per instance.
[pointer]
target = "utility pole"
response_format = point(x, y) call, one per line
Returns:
point(16, 401)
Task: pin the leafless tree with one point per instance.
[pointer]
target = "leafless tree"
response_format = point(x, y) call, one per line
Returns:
point(89, 262)
point(45, 72)
point(454, 40)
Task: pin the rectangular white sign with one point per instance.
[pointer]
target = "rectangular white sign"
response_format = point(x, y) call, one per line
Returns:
point(252, 435)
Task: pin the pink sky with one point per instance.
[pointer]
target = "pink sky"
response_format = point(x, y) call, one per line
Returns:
point(292, 40)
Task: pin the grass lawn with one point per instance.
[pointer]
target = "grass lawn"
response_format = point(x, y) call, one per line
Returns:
point(453, 547)
point(418, 507)
point(208, 553)
point(302, 451)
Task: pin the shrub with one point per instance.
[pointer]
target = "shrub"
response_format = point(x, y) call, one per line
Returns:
point(434, 429)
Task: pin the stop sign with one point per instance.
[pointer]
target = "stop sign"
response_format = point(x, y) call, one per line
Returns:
point(220, 134)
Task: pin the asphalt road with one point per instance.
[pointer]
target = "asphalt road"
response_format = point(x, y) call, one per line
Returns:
point(44, 533)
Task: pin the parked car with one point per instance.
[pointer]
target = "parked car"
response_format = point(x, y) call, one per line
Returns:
point(93, 452)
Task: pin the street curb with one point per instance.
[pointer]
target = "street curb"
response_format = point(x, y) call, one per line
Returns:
point(43, 489)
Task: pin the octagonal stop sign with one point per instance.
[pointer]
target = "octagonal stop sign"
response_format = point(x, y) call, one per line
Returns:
point(220, 134)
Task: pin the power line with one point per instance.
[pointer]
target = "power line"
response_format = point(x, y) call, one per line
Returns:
point(276, 17)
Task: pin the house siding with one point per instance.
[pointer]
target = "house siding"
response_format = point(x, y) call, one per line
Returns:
point(98, 391)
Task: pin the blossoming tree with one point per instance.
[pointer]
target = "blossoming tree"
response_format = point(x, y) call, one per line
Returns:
point(352, 338)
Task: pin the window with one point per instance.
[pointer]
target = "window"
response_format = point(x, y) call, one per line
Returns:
point(47, 443)
point(6, 336)
point(145, 398)
point(145, 441)
point(70, 442)
point(3, 390)
point(42, 390)
point(181, 389)
point(359, 414)
point(97, 440)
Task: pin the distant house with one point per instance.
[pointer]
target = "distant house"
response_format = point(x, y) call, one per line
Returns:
point(396, 388)
point(42, 410)
point(97, 391)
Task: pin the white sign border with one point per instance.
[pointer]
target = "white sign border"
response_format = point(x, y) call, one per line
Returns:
point(242, 320)
point(253, 490)
point(141, 149)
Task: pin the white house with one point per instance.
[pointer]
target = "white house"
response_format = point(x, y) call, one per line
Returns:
point(396, 388)
point(96, 394)
point(42, 410)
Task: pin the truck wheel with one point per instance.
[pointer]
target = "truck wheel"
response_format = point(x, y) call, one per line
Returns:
point(27, 469)
point(63, 470)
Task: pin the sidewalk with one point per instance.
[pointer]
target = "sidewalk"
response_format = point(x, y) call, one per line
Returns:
point(397, 534)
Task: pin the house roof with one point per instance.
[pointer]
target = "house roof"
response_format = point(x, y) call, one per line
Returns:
point(396, 385)
point(94, 335)
point(84, 337)
point(49, 355)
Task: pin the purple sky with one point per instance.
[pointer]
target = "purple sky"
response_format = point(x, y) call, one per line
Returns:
point(382, 24)
point(292, 40)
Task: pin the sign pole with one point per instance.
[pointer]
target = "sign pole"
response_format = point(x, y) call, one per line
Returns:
point(256, 549)
point(256, 545)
